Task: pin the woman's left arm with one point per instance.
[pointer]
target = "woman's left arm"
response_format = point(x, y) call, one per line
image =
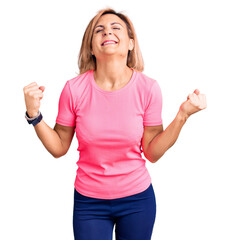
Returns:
point(163, 141)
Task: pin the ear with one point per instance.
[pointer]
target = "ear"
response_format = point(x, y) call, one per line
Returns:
point(131, 44)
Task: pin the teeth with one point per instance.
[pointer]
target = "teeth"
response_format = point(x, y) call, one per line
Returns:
point(109, 42)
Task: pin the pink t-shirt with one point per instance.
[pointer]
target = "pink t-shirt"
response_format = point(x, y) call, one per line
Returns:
point(109, 129)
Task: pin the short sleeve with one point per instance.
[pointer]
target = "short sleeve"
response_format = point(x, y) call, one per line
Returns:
point(152, 114)
point(66, 114)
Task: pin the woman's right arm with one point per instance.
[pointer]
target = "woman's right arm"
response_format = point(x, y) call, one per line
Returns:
point(57, 141)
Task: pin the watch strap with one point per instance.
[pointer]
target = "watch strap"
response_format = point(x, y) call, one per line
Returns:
point(35, 120)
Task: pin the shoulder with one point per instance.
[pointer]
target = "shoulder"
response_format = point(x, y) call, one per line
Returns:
point(145, 82)
point(79, 81)
point(76, 86)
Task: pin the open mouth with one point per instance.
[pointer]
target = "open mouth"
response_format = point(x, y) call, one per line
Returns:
point(108, 42)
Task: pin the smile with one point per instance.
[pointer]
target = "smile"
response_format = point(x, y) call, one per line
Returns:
point(108, 42)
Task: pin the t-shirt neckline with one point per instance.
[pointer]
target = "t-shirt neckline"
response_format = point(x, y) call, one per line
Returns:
point(115, 91)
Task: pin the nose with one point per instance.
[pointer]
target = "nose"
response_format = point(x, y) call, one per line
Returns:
point(108, 33)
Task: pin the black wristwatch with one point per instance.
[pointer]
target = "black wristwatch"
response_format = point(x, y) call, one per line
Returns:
point(35, 120)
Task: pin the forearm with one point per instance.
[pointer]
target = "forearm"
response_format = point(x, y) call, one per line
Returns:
point(49, 138)
point(163, 141)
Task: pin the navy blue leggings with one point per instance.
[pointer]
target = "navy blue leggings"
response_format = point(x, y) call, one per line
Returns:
point(133, 216)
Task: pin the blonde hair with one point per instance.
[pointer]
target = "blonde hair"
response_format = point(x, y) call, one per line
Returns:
point(87, 61)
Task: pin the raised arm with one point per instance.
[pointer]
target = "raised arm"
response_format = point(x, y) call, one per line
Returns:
point(161, 142)
point(57, 141)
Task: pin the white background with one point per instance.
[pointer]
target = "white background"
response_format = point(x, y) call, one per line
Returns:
point(185, 45)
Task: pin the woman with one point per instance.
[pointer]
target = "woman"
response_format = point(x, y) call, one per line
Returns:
point(115, 110)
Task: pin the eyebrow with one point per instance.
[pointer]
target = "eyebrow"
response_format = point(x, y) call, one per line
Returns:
point(111, 24)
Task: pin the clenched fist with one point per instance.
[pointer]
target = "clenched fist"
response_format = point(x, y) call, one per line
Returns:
point(33, 94)
point(195, 102)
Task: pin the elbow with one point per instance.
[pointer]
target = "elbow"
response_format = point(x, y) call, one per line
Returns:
point(150, 155)
point(59, 152)
point(152, 158)
point(155, 154)
point(58, 155)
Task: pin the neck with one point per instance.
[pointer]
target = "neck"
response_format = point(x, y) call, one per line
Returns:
point(111, 71)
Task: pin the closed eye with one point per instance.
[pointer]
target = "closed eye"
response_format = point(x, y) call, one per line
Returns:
point(101, 30)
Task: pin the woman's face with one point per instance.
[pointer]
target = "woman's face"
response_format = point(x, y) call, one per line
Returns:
point(111, 27)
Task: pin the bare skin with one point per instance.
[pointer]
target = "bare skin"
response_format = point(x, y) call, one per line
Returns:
point(111, 74)
point(157, 141)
